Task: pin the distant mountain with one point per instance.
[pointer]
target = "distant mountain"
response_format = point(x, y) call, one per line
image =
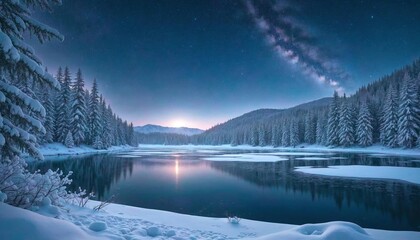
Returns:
point(150, 128)
point(264, 115)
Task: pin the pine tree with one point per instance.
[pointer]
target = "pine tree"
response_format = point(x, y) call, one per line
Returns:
point(408, 113)
point(60, 78)
point(286, 134)
point(310, 128)
point(390, 119)
point(346, 134)
point(130, 135)
point(20, 113)
point(333, 121)
point(94, 114)
point(106, 125)
point(320, 130)
point(69, 142)
point(261, 135)
point(364, 126)
point(97, 143)
point(294, 133)
point(111, 127)
point(254, 136)
point(49, 115)
point(78, 110)
point(64, 113)
point(275, 132)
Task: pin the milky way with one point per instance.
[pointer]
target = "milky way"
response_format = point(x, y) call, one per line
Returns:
point(293, 42)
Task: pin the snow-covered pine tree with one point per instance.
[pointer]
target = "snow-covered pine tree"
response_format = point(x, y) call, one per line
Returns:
point(19, 112)
point(78, 110)
point(49, 115)
point(261, 135)
point(346, 134)
point(64, 113)
point(56, 94)
point(97, 143)
point(294, 133)
point(94, 114)
point(69, 142)
point(364, 126)
point(121, 137)
point(275, 135)
point(246, 137)
point(223, 139)
point(106, 133)
point(390, 118)
point(408, 113)
point(310, 128)
point(320, 129)
point(333, 121)
point(234, 139)
point(254, 136)
point(375, 111)
point(110, 126)
point(418, 101)
point(130, 135)
point(286, 134)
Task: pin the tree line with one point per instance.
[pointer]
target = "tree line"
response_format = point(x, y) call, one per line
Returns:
point(384, 112)
point(75, 115)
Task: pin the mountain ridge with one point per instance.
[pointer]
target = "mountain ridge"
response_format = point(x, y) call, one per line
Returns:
point(153, 128)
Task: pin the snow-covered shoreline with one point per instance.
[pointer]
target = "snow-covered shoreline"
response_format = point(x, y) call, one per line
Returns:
point(58, 149)
point(303, 147)
point(117, 221)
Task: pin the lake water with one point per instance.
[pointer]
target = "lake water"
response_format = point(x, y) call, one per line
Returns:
point(180, 181)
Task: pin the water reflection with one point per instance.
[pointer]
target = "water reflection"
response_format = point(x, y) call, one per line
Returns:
point(183, 183)
point(95, 173)
point(399, 200)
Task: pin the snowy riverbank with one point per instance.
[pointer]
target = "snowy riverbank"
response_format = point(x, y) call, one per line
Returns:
point(303, 147)
point(125, 222)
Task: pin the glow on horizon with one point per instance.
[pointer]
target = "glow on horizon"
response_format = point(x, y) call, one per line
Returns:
point(179, 122)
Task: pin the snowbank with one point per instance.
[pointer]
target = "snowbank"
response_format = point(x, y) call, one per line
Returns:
point(377, 172)
point(125, 222)
point(20, 224)
point(323, 231)
point(301, 148)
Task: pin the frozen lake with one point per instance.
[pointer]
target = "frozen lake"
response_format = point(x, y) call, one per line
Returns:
point(186, 181)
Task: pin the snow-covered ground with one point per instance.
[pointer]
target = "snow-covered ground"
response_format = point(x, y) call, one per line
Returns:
point(125, 222)
point(376, 172)
point(304, 148)
point(53, 149)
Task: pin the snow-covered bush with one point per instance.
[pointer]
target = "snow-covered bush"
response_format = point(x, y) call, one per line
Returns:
point(80, 197)
point(105, 203)
point(234, 220)
point(25, 189)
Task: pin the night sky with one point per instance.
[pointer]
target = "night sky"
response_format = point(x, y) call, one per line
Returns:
point(198, 63)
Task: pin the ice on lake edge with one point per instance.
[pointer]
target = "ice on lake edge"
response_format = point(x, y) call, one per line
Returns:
point(407, 174)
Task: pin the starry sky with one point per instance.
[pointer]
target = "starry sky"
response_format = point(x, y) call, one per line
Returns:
point(199, 63)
